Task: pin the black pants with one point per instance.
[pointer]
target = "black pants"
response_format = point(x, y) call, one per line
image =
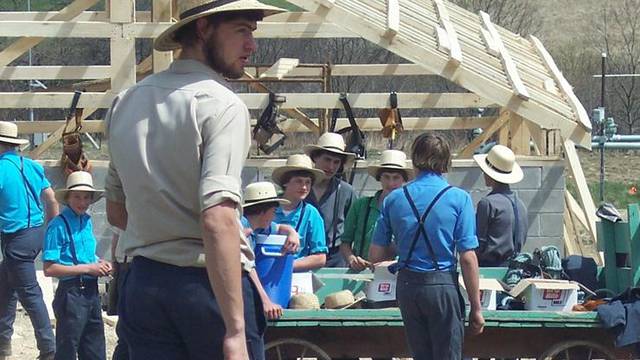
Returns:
point(121, 351)
point(170, 313)
point(432, 312)
point(79, 326)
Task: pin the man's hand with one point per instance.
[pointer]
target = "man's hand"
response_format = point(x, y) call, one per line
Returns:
point(98, 269)
point(357, 263)
point(272, 310)
point(235, 347)
point(292, 244)
point(476, 322)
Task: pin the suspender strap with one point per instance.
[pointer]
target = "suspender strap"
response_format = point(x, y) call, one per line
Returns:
point(334, 225)
point(421, 229)
point(71, 242)
point(304, 206)
point(516, 225)
point(365, 222)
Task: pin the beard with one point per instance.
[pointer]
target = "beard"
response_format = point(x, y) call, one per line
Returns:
point(215, 59)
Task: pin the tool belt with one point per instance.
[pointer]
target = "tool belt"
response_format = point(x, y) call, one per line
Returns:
point(73, 157)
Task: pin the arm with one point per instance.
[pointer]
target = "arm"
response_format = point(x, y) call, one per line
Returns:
point(482, 226)
point(310, 262)
point(271, 310)
point(470, 275)
point(292, 243)
point(117, 214)
point(101, 268)
point(48, 198)
point(382, 248)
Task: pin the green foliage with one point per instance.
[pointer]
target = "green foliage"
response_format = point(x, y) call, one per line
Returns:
point(617, 193)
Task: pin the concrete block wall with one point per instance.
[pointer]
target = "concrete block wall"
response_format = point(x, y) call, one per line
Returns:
point(542, 191)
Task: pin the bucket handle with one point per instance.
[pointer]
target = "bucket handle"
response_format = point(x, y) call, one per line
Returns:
point(269, 253)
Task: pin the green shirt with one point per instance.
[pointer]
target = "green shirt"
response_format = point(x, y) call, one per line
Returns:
point(358, 230)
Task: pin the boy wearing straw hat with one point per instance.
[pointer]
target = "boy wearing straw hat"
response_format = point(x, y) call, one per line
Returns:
point(260, 204)
point(26, 199)
point(392, 172)
point(501, 217)
point(69, 253)
point(332, 196)
point(296, 178)
point(178, 141)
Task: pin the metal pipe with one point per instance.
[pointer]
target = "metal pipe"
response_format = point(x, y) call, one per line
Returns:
point(618, 138)
point(602, 98)
point(617, 145)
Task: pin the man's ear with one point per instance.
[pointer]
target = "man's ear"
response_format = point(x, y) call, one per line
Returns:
point(202, 28)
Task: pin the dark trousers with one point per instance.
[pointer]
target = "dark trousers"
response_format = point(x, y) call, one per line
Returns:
point(170, 313)
point(335, 258)
point(432, 312)
point(121, 352)
point(18, 282)
point(79, 326)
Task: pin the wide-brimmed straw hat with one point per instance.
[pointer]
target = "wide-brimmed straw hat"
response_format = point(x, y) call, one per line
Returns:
point(304, 301)
point(333, 143)
point(341, 300)
point(9, 134)
point(500, 165)
point(190, 10)
point(391, 160)
point(297, 162)
point(79, 181)
point(261, 193)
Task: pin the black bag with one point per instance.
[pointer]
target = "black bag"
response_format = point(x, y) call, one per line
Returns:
point(583, 270)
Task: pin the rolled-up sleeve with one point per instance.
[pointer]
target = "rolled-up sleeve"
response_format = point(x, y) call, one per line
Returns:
point(465, 229)
point(113, 185)
point(53, 241)
point(225, 145)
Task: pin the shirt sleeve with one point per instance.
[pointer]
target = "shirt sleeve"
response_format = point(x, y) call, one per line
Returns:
point(350, 223)
point(225, 146)
point(113, 185)
point(465, 230)
point(382, 235)
point(53, 240)
point(45, 184)
point(315, 233)
point(482, 224)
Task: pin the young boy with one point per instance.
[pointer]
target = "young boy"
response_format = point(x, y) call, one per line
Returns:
point(69, 253)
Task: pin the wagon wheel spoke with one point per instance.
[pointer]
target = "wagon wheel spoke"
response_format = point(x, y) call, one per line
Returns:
point(279, 353)
point(304, 352)
point(567, 355)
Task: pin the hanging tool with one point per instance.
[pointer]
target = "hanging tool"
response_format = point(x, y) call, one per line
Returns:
point(266, 133)
point(73, 156)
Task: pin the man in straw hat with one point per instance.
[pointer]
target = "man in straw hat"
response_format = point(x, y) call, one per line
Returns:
point(69, 253)
point(297, 177)
point(430, 222)
point(331, 195)
point(501, 217)
point(178, 141)
point(392, 172)
point(26, 198)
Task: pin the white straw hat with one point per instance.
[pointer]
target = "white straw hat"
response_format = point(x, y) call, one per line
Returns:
point(392, 160)
point(341, 300)
point(500, 165)
point(261, 193)
point(9, 134)
point(333, 143)
point(79, 181)
point(297, 162)
point(190, 10)
point(304, 301)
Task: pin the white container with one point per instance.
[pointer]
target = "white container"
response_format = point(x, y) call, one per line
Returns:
point(383, 286)
point(489, 289)
point(545, 294)
point(301, 282)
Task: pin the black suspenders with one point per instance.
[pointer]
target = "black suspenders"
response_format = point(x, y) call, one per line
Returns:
point(421, 230)
point(72, 247)
point(304, 206)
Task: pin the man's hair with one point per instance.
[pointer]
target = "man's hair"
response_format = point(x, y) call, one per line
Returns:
point(260, 208)
point(187, 35)
point(317, 153)
point(391, 171)
point(291, 174)
point(431, 152)
point(8, 145)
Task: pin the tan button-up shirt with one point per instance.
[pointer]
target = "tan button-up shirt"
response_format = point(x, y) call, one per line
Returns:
point(178, 141)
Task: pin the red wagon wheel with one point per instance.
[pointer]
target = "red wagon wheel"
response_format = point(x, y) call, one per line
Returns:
point(577, 350)
point(294, 349)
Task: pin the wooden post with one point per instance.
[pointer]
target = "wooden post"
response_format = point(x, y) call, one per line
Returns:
point(123, 47)
point(519, 135)
point(161, 12)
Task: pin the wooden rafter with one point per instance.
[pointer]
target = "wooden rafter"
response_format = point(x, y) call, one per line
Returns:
point(507, 62)
point(393, 19)
point(447, 37)
point(280, 69)
point(503, 119)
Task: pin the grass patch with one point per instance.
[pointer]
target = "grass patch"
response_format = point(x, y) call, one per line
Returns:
point(617, 193)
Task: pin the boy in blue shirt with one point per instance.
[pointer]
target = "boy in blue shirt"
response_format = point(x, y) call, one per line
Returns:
point(297, 178)
point(70, 255)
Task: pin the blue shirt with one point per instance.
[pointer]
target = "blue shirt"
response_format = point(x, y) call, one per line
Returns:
point(57, 247)
point(450, 225)
point(14, 197)
point(310, 231)
point(272, 229)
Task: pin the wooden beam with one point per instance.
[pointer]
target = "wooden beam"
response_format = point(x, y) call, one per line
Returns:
point(455, 52)
point(352, 70)
point(123, 49)
point(486, 134)
point(503, 136)
point(16, 49)
point(54, 72)
point(569, 235)
point(280, 69)
point(507, 62)
point(520, 136)
point(161, 12)
point(581, 114)
point(144, 16)
point(44, 126)
point(393, 19)
point(584, 195)
point(575, 209)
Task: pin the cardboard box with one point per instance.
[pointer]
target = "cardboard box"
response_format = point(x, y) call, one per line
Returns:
point(383, 286)
point(305, 282)
point(489, 289)
point(545, 294)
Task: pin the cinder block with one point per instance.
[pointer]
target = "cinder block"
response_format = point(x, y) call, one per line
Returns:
point(552, 224)
point(543, 200)
point(466, 178)
point(534, 229)
point(553, 177)
point(532, 179)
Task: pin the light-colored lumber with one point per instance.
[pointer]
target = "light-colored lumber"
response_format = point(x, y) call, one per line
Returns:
point(569, 235)
point(280, 69)
point(455, 52)
point(509, 65)
point(393, 19)
point(520, 136)
point(17, 48)
point(54, 72)
point(486, 134)
point(575, 209)
point(492, 47)
point(161, 11)
point(49, 126)
point(123, 49)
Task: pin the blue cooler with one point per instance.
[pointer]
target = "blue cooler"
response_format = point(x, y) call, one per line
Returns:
point(273, 268)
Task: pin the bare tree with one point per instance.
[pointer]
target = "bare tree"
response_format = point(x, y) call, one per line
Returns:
point(519, 16)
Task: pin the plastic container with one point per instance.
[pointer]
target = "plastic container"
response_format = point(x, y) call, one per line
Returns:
point(273, 268)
